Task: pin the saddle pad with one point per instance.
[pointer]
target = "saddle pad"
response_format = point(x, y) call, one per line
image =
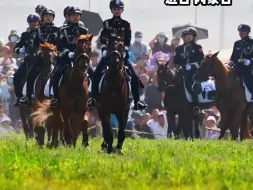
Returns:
point(248, 94)
point(48, 91)
point(207, 86)
point(101, 82)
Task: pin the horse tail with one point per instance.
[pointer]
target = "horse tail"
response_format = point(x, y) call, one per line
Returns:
point(42, 113)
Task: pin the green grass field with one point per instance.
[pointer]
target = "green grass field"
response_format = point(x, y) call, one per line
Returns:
point(146, 165)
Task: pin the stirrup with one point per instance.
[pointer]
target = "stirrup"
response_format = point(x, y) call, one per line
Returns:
point(91, 103)
point(24, 101)
point(196, 110)
point(54, 102)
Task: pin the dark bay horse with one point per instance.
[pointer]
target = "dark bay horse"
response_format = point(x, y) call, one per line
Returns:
point(230, 99)
point(25, 112)
point(171, 83)
point(114, 95)
point(47, 59)
point(73, 97)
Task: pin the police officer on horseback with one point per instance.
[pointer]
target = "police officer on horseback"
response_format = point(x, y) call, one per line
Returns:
point(21, 48)
point(67, 46)
point(67, 19)
point(242, 56)
point(116, 25)
point(38, 10)
point(188, 56)
point(46, 33)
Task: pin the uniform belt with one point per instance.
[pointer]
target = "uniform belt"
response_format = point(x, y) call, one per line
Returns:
point(195, 63)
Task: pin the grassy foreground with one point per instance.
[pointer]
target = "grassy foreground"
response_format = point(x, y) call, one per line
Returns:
point(146, 165)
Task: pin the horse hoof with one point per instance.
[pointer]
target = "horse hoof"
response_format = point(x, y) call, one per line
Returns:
point(119, 151)
point(104, 149)
point(85, 144)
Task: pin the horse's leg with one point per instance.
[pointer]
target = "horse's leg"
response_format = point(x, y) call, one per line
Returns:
point(171, 124)
point(40, 133)
point(107, 132)
point(85, 141)
point(24, 121)
point(76, 124)
point(122, 119)
point(67, 132)
point(197, 129)
point(243, 126)
point(236, 122)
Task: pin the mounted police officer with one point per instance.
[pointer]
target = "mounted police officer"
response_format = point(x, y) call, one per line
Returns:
point(242, 56)
point(67, 19)
point(21, 48)
point(45, 33)
point(188, 56)
point(116, 25)
point(67, 47)
point(38, 10)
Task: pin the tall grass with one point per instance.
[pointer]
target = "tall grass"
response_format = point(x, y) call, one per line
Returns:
point(146, 164)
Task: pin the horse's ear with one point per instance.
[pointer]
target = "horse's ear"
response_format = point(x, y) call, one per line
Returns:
point(215, 54)
point(91, 37)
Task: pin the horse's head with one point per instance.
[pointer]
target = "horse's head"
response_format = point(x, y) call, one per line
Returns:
point(83, 53)
point(116, 50)
point(48, 54)
point(209, 66)
point(165, 77)
point(83, 45)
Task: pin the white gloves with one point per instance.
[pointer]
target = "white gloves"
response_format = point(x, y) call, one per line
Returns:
point(71, 55)
point(247, 62)
point(188, 67)
point(104, 53)
point(22, 50)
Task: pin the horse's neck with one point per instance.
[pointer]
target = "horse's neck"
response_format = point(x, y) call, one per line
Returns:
point(76, 81)
point(224, 80)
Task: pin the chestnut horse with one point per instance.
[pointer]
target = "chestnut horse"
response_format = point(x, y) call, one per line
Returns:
point(114, 95)
point(231, 101)
point(73, 97)
point(170, 82)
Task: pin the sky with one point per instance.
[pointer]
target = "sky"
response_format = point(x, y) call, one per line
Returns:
point(148, 16)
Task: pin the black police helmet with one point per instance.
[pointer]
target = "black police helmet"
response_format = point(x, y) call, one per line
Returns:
point(116, 4)
point(190, 30)
point(244, 28)
point(74, 10)
point(48, 11)
point(33, 18)
point(39, 8)
point(65, 11)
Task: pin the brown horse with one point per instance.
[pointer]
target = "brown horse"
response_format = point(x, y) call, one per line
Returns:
point(170, 82)
point(25, 111)
point(230, 96)
point(114, 95)
point(73, 97)
point(48, 58)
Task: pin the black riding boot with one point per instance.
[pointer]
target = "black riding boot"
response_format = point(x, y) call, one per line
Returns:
point(17, 82)
point(91, 103)
point(196, 109)
point(55, 98)
point(135, 87)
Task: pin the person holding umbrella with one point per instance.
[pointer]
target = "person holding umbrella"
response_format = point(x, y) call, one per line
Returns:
point(188, 56)
point(159, 43)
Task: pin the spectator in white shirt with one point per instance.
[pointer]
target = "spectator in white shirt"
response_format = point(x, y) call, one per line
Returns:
point(160, 128)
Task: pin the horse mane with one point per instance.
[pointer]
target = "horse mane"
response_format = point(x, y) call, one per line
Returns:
point(223, 66)
point(85, 37)
point(48, 46)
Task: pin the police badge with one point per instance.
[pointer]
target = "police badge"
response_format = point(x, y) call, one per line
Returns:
point(117, 2)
